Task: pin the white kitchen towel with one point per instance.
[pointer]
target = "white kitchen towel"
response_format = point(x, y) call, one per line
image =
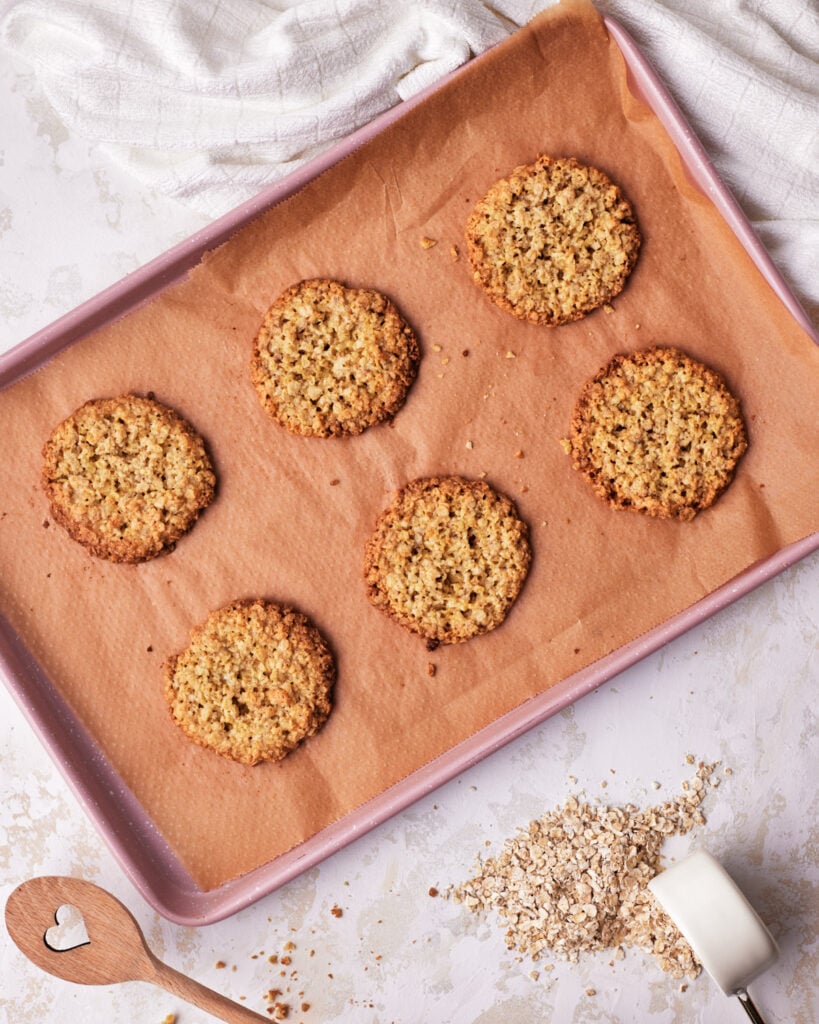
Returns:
point(207, 101)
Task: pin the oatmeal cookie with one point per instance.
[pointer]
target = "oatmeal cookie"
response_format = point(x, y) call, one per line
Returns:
point(254, 682)
point(447, 559)
point(330, 360)
point(126, 477)
point(658, 432)
point(553, 241)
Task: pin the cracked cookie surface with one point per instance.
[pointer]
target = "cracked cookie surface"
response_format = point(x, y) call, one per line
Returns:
point(658, 432)
point(126, 477)
point(552, 241)
point(330, 360)
point(254, 682)
point(447, 558)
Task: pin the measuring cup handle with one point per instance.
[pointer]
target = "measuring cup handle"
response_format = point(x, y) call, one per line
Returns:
point(748, 1005)
point(205, 998)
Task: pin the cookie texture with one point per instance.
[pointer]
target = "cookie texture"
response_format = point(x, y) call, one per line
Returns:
point(126, 477)
point(658, 432)
point(254, 682)
point(553, 241)
point(330, 360)
point(447, 559)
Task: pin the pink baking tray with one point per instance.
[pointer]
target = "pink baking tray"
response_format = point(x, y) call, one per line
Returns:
point(135, 842)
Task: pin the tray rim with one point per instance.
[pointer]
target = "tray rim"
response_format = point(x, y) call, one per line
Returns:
point(136, 844)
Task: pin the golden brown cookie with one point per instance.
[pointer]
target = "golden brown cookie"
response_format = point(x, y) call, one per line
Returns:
point(126, 477)
point(553, 241)
point(254, 682)
point(447, 558)
point(658, 432)
point(330, 360)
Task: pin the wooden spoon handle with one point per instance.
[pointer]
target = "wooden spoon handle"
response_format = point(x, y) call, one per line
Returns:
point(205, 998)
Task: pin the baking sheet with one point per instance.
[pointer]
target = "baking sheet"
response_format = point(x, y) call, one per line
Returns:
point(600, 580)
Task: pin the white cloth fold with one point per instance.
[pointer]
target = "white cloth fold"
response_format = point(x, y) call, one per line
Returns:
point(207, 101)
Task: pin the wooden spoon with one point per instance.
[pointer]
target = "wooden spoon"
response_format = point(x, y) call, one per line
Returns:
point(115, 949)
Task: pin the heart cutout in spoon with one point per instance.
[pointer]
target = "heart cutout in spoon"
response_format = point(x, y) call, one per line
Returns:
point(68, 932)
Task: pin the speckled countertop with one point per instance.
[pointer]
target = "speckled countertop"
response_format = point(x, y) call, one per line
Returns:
point(370, 942)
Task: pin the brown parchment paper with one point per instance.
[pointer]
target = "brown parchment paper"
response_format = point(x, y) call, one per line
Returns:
point(292, 515)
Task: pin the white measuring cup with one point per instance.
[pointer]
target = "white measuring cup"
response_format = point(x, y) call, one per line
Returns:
point(720, 925)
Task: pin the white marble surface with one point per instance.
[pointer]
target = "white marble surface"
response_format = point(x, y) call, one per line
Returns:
point(740, 688)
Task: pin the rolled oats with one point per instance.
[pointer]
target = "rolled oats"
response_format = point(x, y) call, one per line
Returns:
point(575, 881)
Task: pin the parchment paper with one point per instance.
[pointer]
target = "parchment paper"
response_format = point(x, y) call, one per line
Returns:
point(292, 515)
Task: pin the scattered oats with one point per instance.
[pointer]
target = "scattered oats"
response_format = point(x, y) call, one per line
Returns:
point(518, 454)
point(511, 355)
point(445, 361)
point(289, 946)
point(431, 670)
point(714, 782)
point(655, 785)
point(285, 960)
point(591, 991)
point(575, 881)
point(470, 445)
point(683, 987)
point(534, 975)
point(428, 243)
point(636, 327)
point(689, 758)
point(455, 253)
point(729, 771)
point(571, 778)
point(437, 348)
point(220, 964)
point(170, 1019)
point(604, 783)
point(607, 307)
